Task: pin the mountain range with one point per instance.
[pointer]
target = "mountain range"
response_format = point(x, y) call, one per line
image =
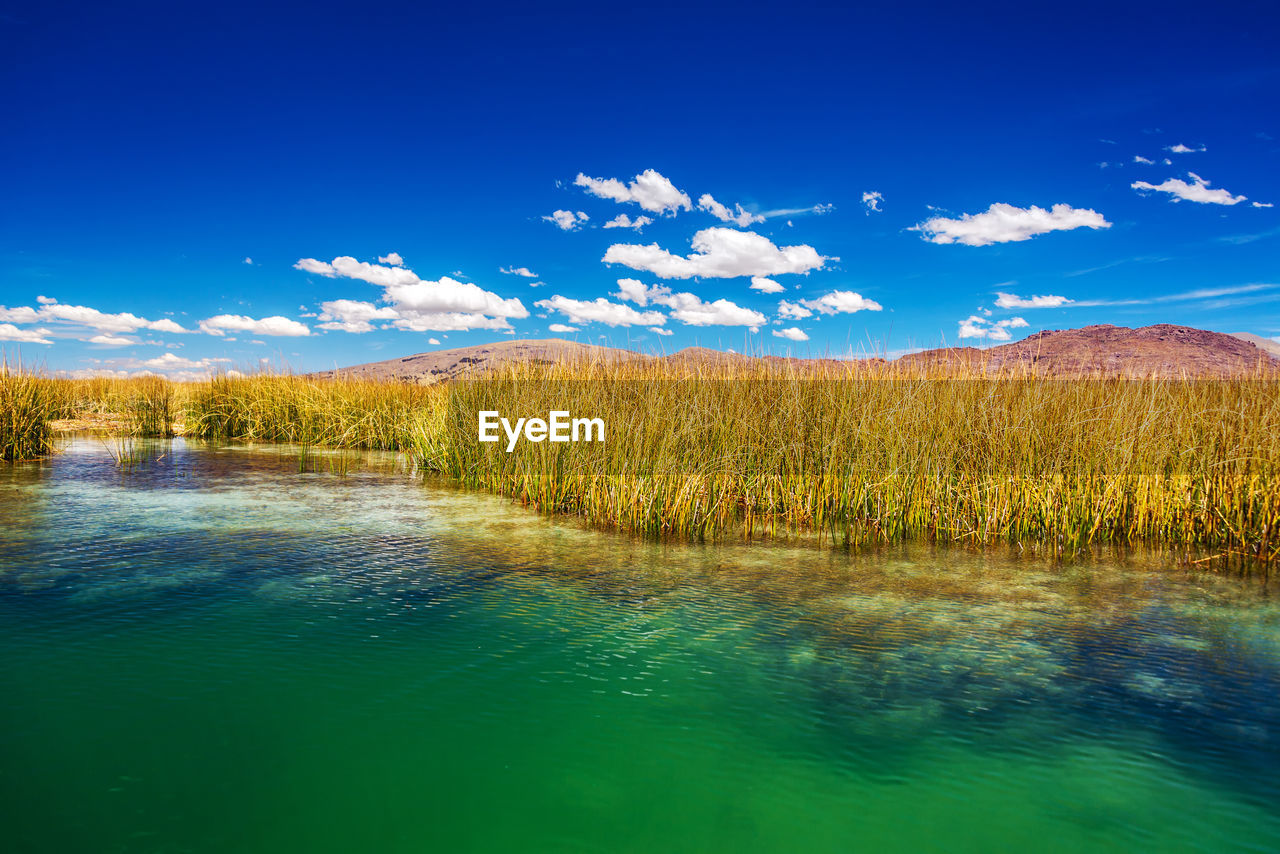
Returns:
point(1162, 350)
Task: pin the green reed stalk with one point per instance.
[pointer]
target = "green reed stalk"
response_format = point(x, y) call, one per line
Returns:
point(27, 403)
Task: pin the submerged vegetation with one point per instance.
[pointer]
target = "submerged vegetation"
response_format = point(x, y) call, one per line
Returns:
point(856, 456)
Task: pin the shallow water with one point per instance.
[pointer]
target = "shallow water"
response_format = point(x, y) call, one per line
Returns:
point(217, 652)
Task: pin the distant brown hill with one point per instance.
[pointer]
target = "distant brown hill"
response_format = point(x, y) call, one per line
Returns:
point(1162, 350)
point(427, 368)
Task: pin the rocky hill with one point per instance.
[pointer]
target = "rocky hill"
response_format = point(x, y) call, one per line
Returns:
point(438, 365)
point(1162, 350)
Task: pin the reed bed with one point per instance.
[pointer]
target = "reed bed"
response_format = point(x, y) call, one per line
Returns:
point(868, 455)
point(27, 403)
point(279, 408)
point(856, 456)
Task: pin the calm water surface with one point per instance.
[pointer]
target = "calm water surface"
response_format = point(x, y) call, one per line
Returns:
point(215, 652)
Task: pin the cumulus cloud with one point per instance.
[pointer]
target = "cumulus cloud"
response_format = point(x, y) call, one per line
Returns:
point(248, 260)
point(434, 342)
point(1004, 300)
point(392, 258)
point(1138, 158)
point(52, 311)
point(636, 291)
point(1004, 223)
point(979, 327)
point(276, 325)
point(560, 327)
point(791, 333)
point(600, 310)
point(842, 302)
point(1197, 192)
point(1179, 148)
point(624, 221)
point(659, 330)
point(739, 215)
point(518, 271)
point(766, 286)
point(112, 341)
point(650, 190)
point(793, 310)
point(690, 310)
point(344, 315)
point(567, 220)
point(719, 253)
point(413, 303)
point(872, 200)
point(9, 332)
point(1263, 204)
point(836, 302)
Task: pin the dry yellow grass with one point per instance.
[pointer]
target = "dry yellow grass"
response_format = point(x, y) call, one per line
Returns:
point(856, 456)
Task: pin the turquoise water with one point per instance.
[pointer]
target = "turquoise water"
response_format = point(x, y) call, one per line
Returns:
point(216, 652)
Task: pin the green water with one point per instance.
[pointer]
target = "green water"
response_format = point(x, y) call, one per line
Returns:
point(214, 652)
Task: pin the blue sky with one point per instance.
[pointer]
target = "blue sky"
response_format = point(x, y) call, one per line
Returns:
point(197, 188)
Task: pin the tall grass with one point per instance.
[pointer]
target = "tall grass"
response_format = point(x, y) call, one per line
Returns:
point(277, 408)
point(855, 456)
point(27, 402)
point(877, 456)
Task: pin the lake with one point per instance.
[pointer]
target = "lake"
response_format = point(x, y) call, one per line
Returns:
point(230, 648)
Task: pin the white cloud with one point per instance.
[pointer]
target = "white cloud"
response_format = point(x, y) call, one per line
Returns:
point(1179, 148)
point(791, 333)
point(248, 260)
point(52, 311)
point(660, 330)
point(9, 332)
point(1263, 204)
point(1004, 223)
point(692, 311)
point(1004, 300)
point(276, 325)
point(719, 253)
point(434, 342)
point(415, 304)
point(740, 216)
point(601, 310)
point(19, 314)
point(766, 286)
point(650, 190)
point(1197, 192)
point(819, 210)
point(172, 360)
point(344, 266)
point(842, 302)
point(795, 311)
point(560, 327)
point(872, 200)
point(392, 258)
point(567, 220)
point(836, 302)
point(344, 315)
point(165, 325)
point(979, 327)
point(624, 221)
point(636, 291)
point(112, 341)
point(518, 271)
point(1138, 158)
